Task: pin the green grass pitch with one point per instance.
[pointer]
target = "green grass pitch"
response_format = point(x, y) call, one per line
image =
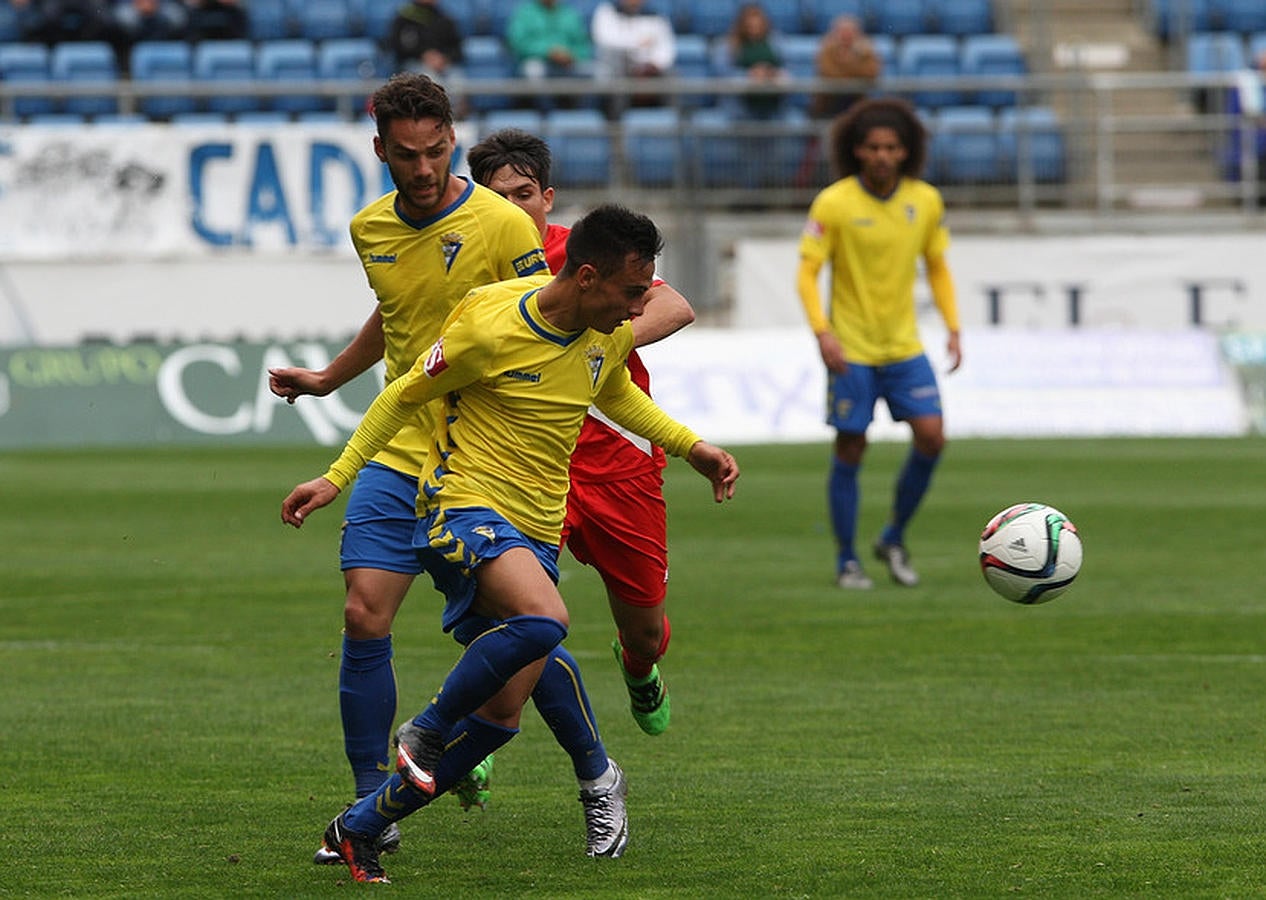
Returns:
point(169, 724)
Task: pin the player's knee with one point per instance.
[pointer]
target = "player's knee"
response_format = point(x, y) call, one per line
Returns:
point(930, 445)
point(850, 447)
point(647, 640)
point(363, 619)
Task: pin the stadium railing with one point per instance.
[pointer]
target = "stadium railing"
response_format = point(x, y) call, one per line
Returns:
point(1121, 141)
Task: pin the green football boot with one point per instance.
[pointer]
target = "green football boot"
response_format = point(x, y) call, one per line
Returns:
point(473, 789)
point(648, 697)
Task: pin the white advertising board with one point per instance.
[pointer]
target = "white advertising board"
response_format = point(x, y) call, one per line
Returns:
point(156, 191)
point(1101, 280)
point(747, 386)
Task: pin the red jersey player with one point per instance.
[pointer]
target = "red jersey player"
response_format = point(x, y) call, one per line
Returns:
point(616, 518)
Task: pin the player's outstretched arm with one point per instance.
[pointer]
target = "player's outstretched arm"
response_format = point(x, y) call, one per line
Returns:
point(307, 498)
point(717, 466)
point(666, 312)
point(292, 382)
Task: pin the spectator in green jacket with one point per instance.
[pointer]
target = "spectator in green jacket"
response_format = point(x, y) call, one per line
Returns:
point(549, 38)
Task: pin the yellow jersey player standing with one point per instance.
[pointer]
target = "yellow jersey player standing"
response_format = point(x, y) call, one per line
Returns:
point(517, 367)
point(423, 247)
point(872, 226)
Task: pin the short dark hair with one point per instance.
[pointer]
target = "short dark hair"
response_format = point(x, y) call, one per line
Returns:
point(849, 131)
point(409, 95)
point(607, 236)
point(526, 154)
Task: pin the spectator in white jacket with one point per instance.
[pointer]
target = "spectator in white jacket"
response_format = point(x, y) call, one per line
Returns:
point(630, 42)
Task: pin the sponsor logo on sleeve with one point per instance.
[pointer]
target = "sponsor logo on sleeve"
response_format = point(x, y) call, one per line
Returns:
point(435, 361)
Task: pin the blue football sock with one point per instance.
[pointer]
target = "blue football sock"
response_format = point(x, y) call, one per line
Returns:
point(367, 701)
point(561, 700)
point(466, 745)
point(392, 801)
point(470, 741)
point(490, 660)
point(843, 497)
point(912, 484)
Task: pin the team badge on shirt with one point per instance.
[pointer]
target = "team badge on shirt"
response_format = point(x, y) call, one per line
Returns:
point(451, 243)
point(595, 356)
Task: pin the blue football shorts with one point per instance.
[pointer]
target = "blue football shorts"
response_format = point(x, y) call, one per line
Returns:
point(452, 543)
point(379, 522)
point(908, 387)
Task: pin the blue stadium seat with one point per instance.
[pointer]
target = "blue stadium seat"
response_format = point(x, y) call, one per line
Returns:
point(320, 20)
point(799, 55)
point(789, 161)
point(900, 17)
point(349, 59)
point(694, 59)
point(1215, 51)
point(930, 56)
point(966, 145)
point(87, 62)
point(962, 17)
point(227, 61)
point(290, 61)
point(786, 16)
point(581, 145)
point(585, 8)
point(269, 20)
point(986, 55)
point(712, 18)
point(498, 14)
point(716, 151)
point(487, 59)
point(26, 64)
point(530, 120)
point(1176, 18)
point(818, 14)
point(10, 31)
point(162, 62)
point(653, 145)
point(1243, 16)
point(378, 16)
point(886, 49)
point(1034, 134)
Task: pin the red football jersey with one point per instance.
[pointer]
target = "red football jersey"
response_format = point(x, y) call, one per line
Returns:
point(604, 452)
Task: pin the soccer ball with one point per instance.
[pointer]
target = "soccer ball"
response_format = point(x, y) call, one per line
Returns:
point(1030, 553)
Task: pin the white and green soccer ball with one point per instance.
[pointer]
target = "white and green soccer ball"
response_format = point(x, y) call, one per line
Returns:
point(1030, 553)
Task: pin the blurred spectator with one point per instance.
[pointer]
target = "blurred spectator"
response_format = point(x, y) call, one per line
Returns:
point(845, 52)
point(425, 39)
point(29, 19)
point(57, 21)
point(630, 42)
point(217, 20)
point(147, 20)
point(548, 38)
point(1247, 101)
point(751, 51)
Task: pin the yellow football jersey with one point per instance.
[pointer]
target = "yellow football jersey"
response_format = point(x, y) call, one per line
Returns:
point(420, 271)
point(872, 245)
point(516, 390)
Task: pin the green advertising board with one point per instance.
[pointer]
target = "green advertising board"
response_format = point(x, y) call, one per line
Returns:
point(153, 393)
